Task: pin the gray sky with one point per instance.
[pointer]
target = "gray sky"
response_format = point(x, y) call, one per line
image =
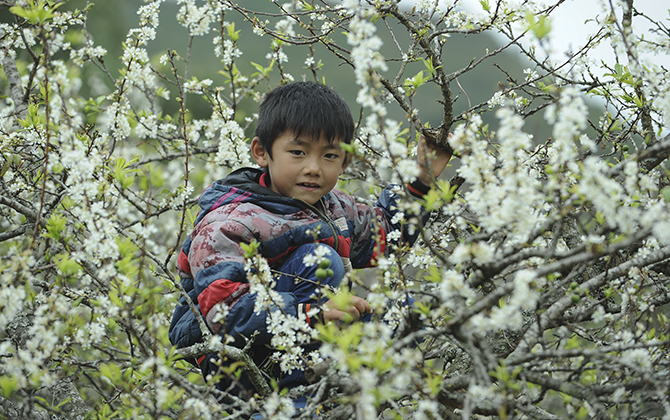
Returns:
point(570, 29)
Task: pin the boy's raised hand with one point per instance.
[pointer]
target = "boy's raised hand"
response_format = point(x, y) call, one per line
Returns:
point(355, 308)
point(432, 160)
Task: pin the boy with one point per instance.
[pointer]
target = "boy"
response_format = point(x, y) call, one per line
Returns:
point(282, 205)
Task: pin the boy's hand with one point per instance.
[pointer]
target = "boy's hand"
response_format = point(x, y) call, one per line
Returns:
point(432, 160)
point(355, 308)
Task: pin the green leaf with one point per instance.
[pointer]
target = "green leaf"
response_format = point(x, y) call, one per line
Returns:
point(665, 193)
point(417, 80)
point(36, 13)
point(126, 247)
point(350, 148)
point(381, 362)
point(588, 377)
point(539, 27)
point(121, 172)
point(434, 274)
point(250, 249)
point(433, 199)
point(622, 75)
point(350, 337)
point(422, 308)
point(434, 382)
point(263, 71)
point(502, 302)
point(111, 371)
point(55, 226)
point(33, 117)
point(328, 333)
point(430, 66)
point(232, 33)
point(66, 265)
point(8, 384)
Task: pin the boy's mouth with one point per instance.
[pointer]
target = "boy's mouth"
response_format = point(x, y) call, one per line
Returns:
point(308, 185)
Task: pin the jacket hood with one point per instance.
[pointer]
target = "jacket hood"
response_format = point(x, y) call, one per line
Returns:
point(247, 179)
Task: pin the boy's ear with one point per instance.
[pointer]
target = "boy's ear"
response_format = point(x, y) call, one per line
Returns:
point(347, 159)
point(258, 153)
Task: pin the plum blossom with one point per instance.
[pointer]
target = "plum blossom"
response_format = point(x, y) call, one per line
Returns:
point(277, 407)
point(261, 281)
point(196, 19)
point(320, 253)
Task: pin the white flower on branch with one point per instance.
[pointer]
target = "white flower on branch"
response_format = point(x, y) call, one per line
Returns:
point(289, 333)
point(637, 357)
point(285, 26)
point(198, 408)
point(147, 127)
point(278, 407)
point(149, 13)
point(197, 86)
point(11, 299)
point(143, 35)
point(479, 392)
point(478, 252)
point(228, 52)
point(366, 405)
point(115, 119)
point(88, 52)
point(427, 410)
point(568, 118)
point(530, 74)
point(279, 55)
point(607, 196)
point(262, 283)
point(453, 286)
point(196, 19)
point(498, 99)
point(320, 253)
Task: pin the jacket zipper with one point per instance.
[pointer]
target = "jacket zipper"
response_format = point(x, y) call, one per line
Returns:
point(325, 218)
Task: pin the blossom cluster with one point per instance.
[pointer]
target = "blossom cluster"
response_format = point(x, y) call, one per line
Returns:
point(197, 20)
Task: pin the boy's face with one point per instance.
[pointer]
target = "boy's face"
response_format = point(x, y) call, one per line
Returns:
point(301, 167)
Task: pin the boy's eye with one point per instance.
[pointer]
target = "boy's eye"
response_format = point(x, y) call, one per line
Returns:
point(332, 156)
point(296, 152)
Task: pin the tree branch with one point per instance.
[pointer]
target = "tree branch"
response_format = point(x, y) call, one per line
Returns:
point(556, 310)
point(215, 346)
point(20, 208)
point(14, 80)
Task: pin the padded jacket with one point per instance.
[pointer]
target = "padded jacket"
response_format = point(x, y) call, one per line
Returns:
point(241, 209)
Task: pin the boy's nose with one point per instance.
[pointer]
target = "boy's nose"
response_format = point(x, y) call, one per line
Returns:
point(312, 167)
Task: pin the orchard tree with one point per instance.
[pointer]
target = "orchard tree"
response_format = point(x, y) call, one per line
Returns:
point(541, 280)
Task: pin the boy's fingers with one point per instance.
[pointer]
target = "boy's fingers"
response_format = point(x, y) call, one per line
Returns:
point(361, 305)
point(356, 308)
point(354, 312)
point(333, 315)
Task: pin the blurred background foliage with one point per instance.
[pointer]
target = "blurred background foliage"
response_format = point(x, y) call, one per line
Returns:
point(109, 22)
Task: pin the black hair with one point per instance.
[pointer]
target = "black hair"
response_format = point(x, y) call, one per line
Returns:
point(305, 109)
